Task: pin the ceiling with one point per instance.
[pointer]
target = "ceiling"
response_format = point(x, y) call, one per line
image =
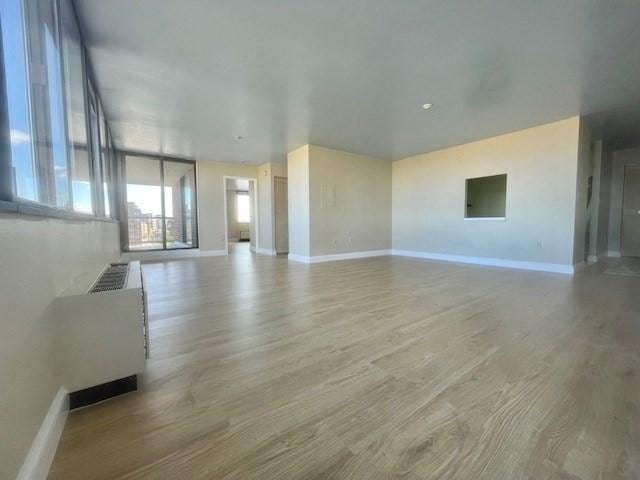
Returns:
point(238, 184)
point(188, 77)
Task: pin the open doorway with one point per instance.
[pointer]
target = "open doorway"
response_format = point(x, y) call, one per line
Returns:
point(241, 220)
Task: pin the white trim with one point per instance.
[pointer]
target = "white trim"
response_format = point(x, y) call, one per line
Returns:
point(170, 254)
point(614, 254)
point(485, 219)
point(266, 251)
point(338, 256)
point(494, 262)
point(592, 259)
point(38, 461)
point(254, 214)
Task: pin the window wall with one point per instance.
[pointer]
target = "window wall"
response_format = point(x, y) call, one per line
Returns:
point(61, 154)
point(161, 203)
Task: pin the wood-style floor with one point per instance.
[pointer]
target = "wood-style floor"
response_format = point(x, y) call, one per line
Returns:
point(384, 368)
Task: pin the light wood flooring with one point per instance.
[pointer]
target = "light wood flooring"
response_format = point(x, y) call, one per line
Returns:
point(384, 368)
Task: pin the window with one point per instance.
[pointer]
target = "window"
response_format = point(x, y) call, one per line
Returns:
point(52, 160)
point(74, 74)
point(486, 197)
point(243, 208)
point(17, 89)
point(105, 165)
point(161, 203)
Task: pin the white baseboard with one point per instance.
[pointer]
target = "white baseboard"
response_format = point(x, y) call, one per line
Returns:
point(578, 267)
point(38, 461)
point(338, 256)
point(493, 262)
point(170, 254)
point(614, 254)
point(266, 251)
point(298, 258)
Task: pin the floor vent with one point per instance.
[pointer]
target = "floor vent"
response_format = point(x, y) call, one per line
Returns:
point(113, 278)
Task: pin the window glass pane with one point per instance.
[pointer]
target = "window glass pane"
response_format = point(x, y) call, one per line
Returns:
point(179, 202)
point(15, 65)
point(56, 112)
point(94, 139)
point(106, 165)
point(144, 203)
point(76, 109)
point(244, 211)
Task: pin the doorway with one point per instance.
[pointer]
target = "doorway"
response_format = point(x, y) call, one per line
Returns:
point(630, 231)
point(241, 219)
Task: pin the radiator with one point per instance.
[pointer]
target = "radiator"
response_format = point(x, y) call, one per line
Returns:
point(102, 331)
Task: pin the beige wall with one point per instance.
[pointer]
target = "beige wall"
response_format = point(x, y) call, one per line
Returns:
point(40, 257)
point(298, 197)
point(211, 192)
point(339, 202)
point(350, 202)
point(541, 168)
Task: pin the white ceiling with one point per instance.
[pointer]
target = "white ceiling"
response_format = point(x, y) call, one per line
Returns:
point(187, 77)
point(238, 184)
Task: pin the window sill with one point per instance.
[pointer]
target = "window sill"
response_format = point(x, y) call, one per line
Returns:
point(485, 219)
point(35, 210)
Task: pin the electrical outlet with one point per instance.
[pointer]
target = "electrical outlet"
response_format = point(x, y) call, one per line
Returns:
point(349, 239)
point(539, 244)
point(335, 241)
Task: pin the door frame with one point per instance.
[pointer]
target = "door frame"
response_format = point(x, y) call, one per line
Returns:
point(255, 217)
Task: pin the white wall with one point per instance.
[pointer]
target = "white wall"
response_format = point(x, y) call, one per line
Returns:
point(211, 192)
point(298, 196)
point(40, 257)
point(541, 168)
point(584, 171)
point(621, 158)
point(604, 200)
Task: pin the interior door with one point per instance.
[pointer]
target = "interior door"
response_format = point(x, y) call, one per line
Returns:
point(281, 213)
point(630, 237)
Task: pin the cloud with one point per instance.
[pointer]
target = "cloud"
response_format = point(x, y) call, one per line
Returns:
point(18, 137)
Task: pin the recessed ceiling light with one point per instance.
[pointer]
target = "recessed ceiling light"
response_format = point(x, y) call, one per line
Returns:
point(427, 106)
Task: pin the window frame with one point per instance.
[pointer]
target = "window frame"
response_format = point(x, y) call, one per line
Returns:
point(242, 193)
point(466, 199)
point(122, 199)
